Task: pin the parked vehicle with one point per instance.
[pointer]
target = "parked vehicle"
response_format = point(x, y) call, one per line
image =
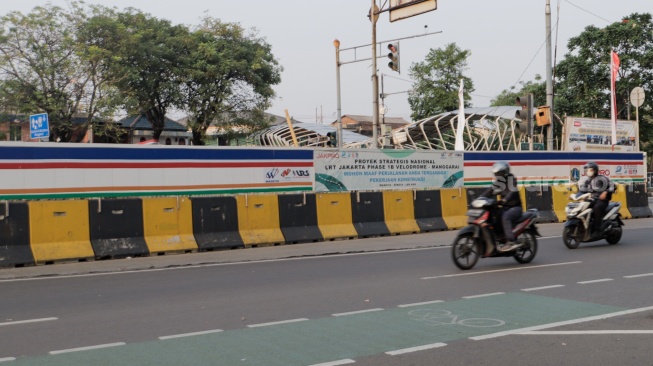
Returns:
point(480, 238)
point(577, 229)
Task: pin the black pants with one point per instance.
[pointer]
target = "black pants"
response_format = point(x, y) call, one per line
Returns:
point(599, 207)
point(510, 215)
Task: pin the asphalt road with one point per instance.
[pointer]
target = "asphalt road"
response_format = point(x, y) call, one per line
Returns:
point(380, 301)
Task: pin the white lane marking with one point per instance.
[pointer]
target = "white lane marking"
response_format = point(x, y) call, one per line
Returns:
point(335, 363)
point(7, 359)
point(551, 237)
point(277, 323)
point(311, 256)
point(562, 323)
point(639, 275)
point(27, 321)
point(99, 346)
point(357, 312)
point(420, 303)
point(484, 295)
point(583, 332)
point(415, 349)
point(191, 334)
point(541, 288)
point(501, 270)
point(595, 281)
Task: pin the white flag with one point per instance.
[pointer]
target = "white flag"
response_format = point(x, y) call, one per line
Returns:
point(614, 69)
point(461, 119)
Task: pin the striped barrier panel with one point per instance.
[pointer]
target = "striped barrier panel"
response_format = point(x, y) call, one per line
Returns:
point(399, 212)
point(215, 223)
point(560, 196)
point(59, 230)
point(541, 198)
point(168, 225)
point(637, 200)
point(15, 248)
point(298, 218)
point(620, 196)
point(116, 228)
point(454, 207)
point(367, 214)
point(428, 211)
point(258, 220)
point(334, 216)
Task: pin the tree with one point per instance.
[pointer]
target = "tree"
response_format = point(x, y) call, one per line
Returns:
point(437, 80)
point(583, 77)
point(228, 78)
point(143, 56)
point(537, 88)
point(42, 68)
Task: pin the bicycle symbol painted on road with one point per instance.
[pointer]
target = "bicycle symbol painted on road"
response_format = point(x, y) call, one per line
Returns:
point(445, 317)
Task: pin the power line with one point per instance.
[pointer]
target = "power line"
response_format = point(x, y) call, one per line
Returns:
point(589, 12)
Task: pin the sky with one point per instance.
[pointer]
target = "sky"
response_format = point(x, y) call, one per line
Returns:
point(506, 39)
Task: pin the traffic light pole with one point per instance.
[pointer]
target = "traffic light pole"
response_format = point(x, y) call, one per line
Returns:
point(375, 78)
point(549, 76)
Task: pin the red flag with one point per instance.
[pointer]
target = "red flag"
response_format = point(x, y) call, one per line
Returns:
point(614, 69)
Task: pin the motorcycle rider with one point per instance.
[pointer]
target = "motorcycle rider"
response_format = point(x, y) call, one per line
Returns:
point(505, 185)
point(601, 189)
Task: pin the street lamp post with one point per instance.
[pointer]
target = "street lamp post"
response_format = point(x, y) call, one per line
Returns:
point(336, 44)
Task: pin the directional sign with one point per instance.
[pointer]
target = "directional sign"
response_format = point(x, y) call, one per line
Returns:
point(39, 126)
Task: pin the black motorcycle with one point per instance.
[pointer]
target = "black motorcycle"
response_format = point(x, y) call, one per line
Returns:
point(579, 222)
point(484, 232)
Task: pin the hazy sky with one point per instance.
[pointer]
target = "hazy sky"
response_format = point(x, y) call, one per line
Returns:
point(506, 39)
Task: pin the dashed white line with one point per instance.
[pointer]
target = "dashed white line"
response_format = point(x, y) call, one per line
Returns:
point(420, 303)
point(595, 281)
point(500, 270)
point(562, 323)
point(277, 323)
point(99, 346)
point(484, 295)
point(584, 332)
point(190, 334)
point(7, 359)
point(357, 312)
point(27, 321)
point(415, 349)
point(336, 363)
point(639, 275)
point(541, 288)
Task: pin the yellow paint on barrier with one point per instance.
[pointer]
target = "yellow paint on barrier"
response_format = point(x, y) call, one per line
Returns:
point(258, 220)
point(334, 217)
point(168, 224)
point(620, 196)
point(59, 230)
point(454, 207)
point(399, 212)
point(560, 194)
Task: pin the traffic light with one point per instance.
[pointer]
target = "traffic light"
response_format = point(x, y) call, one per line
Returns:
point(394, 57)
point(525, 114)
point(333, 139)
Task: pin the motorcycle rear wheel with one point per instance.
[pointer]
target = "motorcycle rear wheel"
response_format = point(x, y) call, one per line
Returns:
point(569, 239)
point(527, 252)
point(465, 251)
point(614, 235)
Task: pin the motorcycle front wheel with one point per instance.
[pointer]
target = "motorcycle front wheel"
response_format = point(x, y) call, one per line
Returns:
point(569, 239)
point(465, 251)
point(614, 235)
point(527, 252)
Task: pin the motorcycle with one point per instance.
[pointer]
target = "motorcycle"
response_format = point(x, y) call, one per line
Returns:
point(480, 238)
point(579, 217)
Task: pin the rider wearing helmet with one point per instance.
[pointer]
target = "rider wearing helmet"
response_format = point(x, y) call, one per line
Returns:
point(601, 189)
point(505, 185)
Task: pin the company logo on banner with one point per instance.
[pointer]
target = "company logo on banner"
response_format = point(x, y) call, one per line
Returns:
point(352, 170)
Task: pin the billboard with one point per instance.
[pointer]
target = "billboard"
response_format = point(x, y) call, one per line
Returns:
point(594, 134)
point(362, 169)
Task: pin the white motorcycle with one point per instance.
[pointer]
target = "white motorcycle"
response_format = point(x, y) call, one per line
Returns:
point(578, 226)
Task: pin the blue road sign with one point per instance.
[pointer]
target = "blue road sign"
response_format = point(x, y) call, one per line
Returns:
point(39, 126)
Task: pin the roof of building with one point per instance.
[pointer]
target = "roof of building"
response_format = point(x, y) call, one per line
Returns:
point(140, 122)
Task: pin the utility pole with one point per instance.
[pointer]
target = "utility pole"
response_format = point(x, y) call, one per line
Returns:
point(549, 77)
point(336, 44)
point(374, 16)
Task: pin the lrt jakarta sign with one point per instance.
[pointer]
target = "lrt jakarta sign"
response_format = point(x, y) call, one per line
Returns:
point(402, 9)
point(39, 126)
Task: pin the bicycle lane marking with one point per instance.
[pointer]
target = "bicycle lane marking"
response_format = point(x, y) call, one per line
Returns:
point(349, 337)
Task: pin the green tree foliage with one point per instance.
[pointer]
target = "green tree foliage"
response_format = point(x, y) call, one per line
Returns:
point(583, 77)
point(228, 79)
point(437, 80)
point(537, 88)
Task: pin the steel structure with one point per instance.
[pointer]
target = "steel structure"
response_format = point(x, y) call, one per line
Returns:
point(308, 135)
